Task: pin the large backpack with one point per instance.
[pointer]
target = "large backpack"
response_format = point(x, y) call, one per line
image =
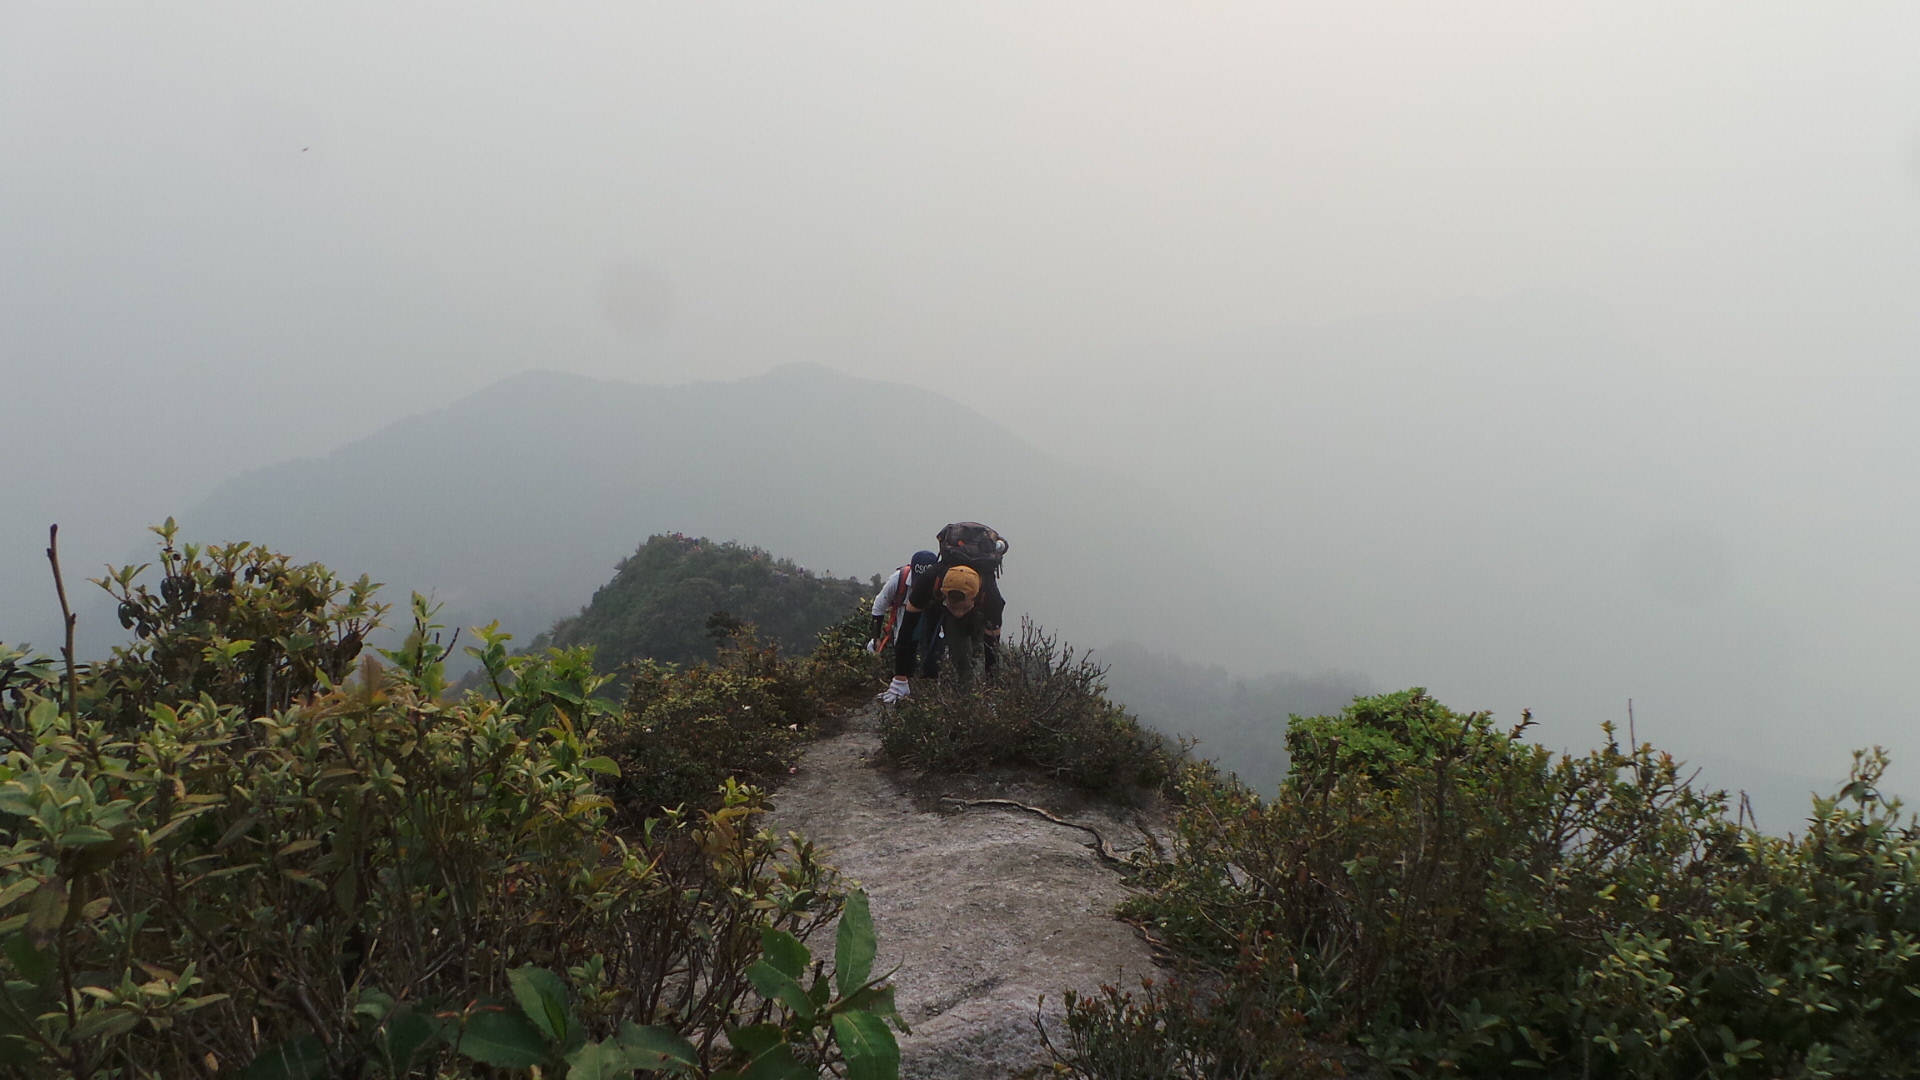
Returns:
point(972, 544)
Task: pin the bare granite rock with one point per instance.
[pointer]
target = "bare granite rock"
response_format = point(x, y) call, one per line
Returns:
point(986, 910)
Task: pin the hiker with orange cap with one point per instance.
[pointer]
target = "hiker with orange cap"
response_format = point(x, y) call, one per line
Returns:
point(965, 587)
point(963, 622)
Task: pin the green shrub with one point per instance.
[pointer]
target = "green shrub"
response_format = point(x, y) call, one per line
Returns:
point(684, 731)
point(748, 715)
point(236, 621)
point(839, 669)
point(1045, 708)
point(1455, 901)
point(801, 1029)
point(358, 882)
point(1187, 1028)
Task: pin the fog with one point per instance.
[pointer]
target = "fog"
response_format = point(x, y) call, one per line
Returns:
point(1547, 355)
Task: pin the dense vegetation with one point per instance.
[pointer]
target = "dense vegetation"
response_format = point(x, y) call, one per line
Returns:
point(1438, 897)
point(746, 716)
point(660, 600)
point(244, 847)
point(1046, 708)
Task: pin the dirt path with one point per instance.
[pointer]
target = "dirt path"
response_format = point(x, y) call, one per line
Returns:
point(984, 909)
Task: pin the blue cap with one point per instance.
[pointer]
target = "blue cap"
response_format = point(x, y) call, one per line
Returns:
point(924, 558)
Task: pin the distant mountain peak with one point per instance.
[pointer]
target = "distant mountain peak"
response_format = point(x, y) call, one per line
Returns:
point(805, 369)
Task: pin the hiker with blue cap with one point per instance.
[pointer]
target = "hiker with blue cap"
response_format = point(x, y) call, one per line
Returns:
point(890, 606)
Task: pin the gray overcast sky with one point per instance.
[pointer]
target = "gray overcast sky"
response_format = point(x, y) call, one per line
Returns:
point(230, 234)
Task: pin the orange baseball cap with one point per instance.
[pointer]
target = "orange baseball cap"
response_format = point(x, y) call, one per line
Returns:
point(961, 579)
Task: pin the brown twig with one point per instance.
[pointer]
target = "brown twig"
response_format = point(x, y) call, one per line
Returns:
point(68, 619)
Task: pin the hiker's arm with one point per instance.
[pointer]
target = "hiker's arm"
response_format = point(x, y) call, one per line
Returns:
point(884, 599)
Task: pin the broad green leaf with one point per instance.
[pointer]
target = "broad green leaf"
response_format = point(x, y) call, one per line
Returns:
point(48, 907)
point(602, 765)
point(26, 1000)
point(297, 1059)
point(373, 1005)
point(854, 945)
point(870, 1050)
point(17, 890)
point(106, 1024)
point(503, 1038)
point(777, 985)
point(657, 1048)
point(768, 1056)
point(784, 952)
point(32, 964)
point(81, 835)
point(755, 1039)
point(543, 997)
point(17, 1052)
point(877, 1000)
point(406, 1031)
point(599, 1061)
point(236, 831)
point(96, 856)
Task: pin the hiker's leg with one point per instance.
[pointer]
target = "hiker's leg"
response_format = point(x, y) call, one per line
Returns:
point(961, 644)
point(906, 643)
point(930, 644)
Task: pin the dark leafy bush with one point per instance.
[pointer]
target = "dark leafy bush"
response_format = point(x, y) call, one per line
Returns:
point(1454, 901)
point(800, 1029)
point(1181, 1028)
point(839, 669)
point(1045, 708)
point(359, 882)
point(747, 715)
point(236, 621)
point(684, 731)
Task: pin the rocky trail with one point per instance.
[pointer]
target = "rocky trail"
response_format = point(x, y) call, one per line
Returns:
point(985, 908)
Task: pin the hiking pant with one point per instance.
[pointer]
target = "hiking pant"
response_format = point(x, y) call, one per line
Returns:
point(967, 637)
point(963, 643)
point(918, 639)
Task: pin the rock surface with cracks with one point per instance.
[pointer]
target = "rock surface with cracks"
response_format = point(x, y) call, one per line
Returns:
point(984, 909)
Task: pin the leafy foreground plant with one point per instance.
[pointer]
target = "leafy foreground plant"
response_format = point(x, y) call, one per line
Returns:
point(841, 1017)
point(238, 622)
point(1448, 900)
point(1045, 708)
point(364, 880)
point(839, 670)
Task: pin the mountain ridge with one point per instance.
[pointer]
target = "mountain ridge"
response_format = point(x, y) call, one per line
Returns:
point(515, 502)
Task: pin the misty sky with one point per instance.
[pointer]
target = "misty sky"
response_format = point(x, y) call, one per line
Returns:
point(1547, 354)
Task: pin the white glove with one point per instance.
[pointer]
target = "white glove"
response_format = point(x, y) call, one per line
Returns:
point(873, 646)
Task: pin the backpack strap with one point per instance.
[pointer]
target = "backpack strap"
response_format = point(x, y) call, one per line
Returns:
point(899, 601)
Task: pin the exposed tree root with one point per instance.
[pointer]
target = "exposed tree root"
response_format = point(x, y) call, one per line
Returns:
point(1100, 846)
